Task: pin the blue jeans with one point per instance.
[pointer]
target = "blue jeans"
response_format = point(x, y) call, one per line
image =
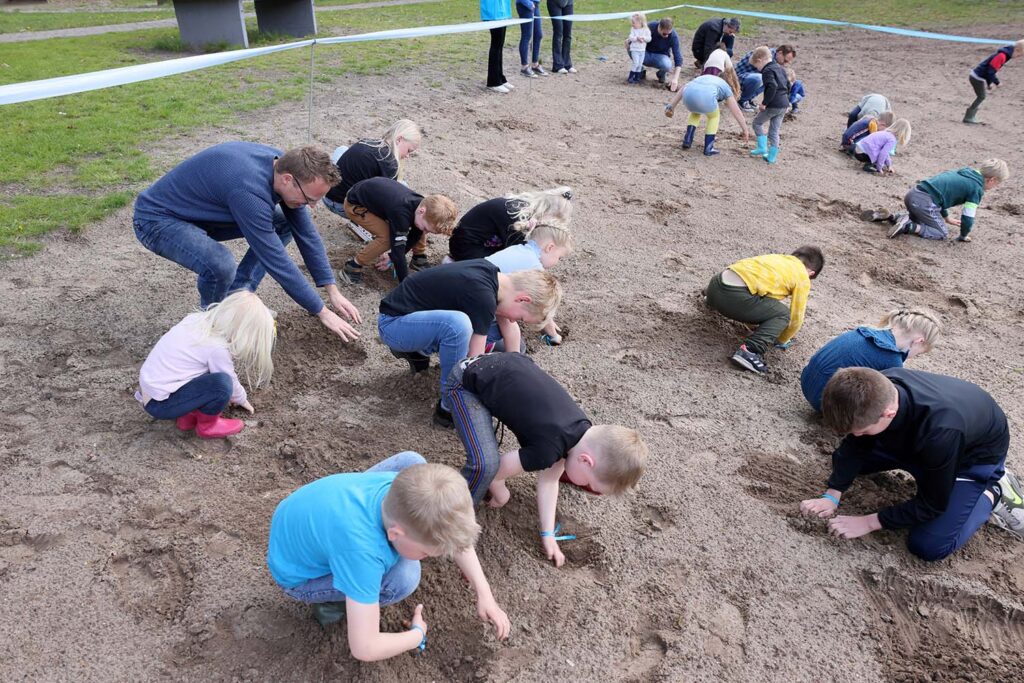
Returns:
point(967, 510)
point(191, 245)
point(796, 93)
point(751, 85)
point(397, 584)
point(663, 63)
point(475, 426)
point(529, 29)
point(335, 207)
point(561, 34)
point(209, 394)
point(445, 333)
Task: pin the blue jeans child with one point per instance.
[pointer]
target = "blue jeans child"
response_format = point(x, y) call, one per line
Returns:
point(192, 245)
point(210, 394)
point(751, 85)
point(445, 333)
point(398, 583)
point(527, 9)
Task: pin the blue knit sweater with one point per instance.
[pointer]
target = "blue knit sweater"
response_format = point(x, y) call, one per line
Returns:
point(229, 188)
point(864, 347)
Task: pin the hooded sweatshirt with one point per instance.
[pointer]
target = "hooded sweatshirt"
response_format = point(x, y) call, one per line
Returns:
point(953, 188)
point(986, 71)
point(864, 347)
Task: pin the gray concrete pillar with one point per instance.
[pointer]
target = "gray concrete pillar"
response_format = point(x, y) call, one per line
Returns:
point(287, 17)
point(202, 22)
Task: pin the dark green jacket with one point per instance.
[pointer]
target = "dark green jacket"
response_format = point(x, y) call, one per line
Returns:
point(952, 188)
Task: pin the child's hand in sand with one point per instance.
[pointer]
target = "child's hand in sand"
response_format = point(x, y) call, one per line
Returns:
point(383, 263)
point(487, 609)
point(552, 550)
point(818, 507)
point(669, 110)
point(846, 526)
point(499, 494)
point(245, 405)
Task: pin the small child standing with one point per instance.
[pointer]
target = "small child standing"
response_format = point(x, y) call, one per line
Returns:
point(983, 77)
point(190, 375)
point(751, 291)
point(639, 36)
point(863, 128)
point(399, 220)
point(348, 544)
point(556, 439)
point(901, 335)
point(773, 106)
point(875, 150)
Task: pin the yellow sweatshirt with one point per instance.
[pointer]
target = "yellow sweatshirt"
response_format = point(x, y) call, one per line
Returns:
point(778, 276)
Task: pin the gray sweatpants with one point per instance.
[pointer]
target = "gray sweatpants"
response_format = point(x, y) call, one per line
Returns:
point(926, 215)
point(775, 116)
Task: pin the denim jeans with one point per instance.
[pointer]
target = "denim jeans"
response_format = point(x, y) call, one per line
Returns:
point(663, 63)
point(445, 333)
point(751, 85)
point(531, 29)
point(192, 246)
point(475, 426)
point(397, 584)
point(335, 207)
point(561, 34)
point(209, 394)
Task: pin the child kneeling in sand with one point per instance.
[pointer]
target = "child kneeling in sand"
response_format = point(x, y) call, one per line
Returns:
point(190, 375)
point(556, 439)
point(949, 434)
point(449, 310)
point(349, 543)
point(875, 151)
point(863, 128)
point(901, 335)
point(751, 291)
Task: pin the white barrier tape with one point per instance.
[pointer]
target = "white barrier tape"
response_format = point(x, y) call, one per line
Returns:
point(96, 80)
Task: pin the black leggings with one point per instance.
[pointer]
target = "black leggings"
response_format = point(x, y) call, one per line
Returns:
point(495, 72)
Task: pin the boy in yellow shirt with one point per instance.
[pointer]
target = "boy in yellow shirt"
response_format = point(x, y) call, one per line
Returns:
point(752, 290)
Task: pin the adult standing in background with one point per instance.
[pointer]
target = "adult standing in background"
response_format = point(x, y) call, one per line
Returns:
point(664, 42)
point(561, 36)
point(496, 10)
point(710, 34)
point(530, 9)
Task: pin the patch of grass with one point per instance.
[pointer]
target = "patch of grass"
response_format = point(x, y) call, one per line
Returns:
point(26, 216)
point(14, 21)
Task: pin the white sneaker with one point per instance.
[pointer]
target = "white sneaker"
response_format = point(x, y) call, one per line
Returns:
point(498, 88)
point(509, 85)
point(572, 69)
point(1008, 512)
point(563, 70)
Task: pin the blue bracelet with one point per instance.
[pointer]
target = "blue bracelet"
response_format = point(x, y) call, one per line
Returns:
point(829, 496)
point(423, 642)
point(552, 534)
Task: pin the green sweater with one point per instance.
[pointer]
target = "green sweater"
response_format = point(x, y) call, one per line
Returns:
point(953, 188)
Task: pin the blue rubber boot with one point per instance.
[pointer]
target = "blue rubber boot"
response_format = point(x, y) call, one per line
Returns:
point(688, 138)
point(762, 147)
point(773, 154)
point(709, 146)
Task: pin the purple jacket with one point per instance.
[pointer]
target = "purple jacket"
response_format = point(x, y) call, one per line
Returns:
point(878, 146)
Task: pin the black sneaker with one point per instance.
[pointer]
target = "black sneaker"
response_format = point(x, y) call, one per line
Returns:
point(442, 417)
point(351, 272)
point(875, 215)
point(901, 226)
point(417, 361)
point(749, 360)
point(419, 262)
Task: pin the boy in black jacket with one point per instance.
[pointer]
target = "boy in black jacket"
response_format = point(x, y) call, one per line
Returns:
point(774, 104)
point(949, 434)
point(983, 77)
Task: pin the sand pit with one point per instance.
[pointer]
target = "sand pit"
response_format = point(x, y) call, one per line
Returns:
point(131, 552)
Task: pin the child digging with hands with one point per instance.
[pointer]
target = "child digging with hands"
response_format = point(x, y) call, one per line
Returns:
point(556, 439)
point(348, 544)
point(190, 375)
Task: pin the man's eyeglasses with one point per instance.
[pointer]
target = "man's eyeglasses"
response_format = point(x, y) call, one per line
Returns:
point(309, 201)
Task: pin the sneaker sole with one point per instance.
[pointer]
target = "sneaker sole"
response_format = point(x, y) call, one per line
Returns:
point(352, 280)
point(874, 216)
point(895, 231)
point(996, 520)
point(747, 365)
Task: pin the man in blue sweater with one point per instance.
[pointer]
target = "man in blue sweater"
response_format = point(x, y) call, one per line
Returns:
point(245, 190)
point(663, 53)
point(950, 435)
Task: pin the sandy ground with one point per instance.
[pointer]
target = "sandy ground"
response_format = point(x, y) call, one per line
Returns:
point(131, 552)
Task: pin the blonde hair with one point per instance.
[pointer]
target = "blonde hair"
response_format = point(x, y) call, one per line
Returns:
point(729, 76)
point(790, 75)
point(249, 329)
point(432, 504)
point(915, 321)
point(1019, 45)
point(639, 15)
point(901, 129)
point(552, 206)
point(441, 213)
point(387, 145)
point(558, 235)
point(994, 168)
point(762, 53)
point(620, 456)
point(885, 118)
point(855, 398)
point(544, 290)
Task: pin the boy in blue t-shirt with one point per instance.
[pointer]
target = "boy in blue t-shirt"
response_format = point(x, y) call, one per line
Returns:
point(349, 543)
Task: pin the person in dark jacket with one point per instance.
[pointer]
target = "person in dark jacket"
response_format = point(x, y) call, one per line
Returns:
point(950, 435)
point(709, 35)
point(774, 105)
point(983, 77)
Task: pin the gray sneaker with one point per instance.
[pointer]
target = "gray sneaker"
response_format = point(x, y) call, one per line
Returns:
point(901, 226)
point(1008, 512)
point(875, 215)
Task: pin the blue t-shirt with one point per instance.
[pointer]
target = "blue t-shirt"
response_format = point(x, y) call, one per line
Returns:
point(494, 10)
point(518, 257)
point(864, 347)
point(334, 526)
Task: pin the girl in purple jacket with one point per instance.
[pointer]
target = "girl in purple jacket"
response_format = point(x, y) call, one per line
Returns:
point(875, 150)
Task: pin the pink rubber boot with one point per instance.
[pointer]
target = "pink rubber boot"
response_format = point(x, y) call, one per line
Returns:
point(187, 423)
point(217, 427)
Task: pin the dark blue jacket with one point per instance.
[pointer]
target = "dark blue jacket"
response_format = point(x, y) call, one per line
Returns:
point(987, 70)
point(708, 36)
point(663, 46)
point(857, 131)
point(776, 86)
point(864, 347)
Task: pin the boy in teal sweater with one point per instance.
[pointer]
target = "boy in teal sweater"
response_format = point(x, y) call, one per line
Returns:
point(929, 202)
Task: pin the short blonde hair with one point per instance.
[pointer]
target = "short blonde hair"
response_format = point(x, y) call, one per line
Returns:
point(762, 53)
point(790, 75)
point(249, 329)
point(546, 232)
point(901, 129)
point(620, 456)
point(546, 206)
point(432, 504)
point(994, 168)
point(1019, 45)
point(641, 16)
point(855, 398)
point(885, 118)
point(544, 290)
point(441, 213)
point(915, 321)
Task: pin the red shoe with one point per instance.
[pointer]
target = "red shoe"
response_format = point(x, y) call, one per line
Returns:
point(217, 427)
point(187, 423)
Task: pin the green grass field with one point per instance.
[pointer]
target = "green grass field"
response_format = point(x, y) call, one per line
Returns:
point(66, 162)
point(14, 21)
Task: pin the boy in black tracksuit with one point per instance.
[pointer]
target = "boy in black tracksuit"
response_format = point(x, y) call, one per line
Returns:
point(774, 106)
point(950, 435)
